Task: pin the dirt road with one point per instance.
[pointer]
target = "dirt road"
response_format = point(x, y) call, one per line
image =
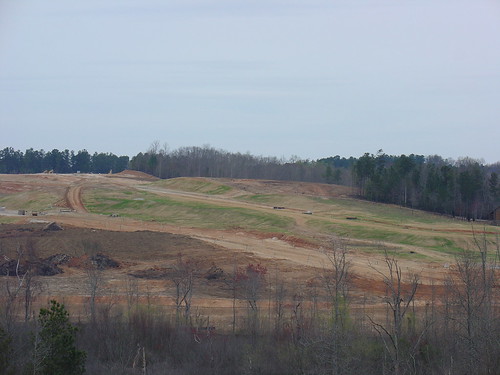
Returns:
point(74, 198)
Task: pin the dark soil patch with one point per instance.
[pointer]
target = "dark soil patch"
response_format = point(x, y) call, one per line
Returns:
point(119, 246)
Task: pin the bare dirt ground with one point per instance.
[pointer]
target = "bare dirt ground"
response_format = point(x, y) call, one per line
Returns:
point(147, 250)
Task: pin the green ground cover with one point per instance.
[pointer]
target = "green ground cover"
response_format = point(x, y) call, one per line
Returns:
point(377, 211)
point(194, 186)
point(149, 206)
point(395, 236)
point(29, 200)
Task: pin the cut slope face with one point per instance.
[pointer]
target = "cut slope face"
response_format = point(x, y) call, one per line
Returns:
point(136, 175)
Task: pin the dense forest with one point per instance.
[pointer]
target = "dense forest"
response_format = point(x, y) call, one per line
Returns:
point(465, 188)
point(37, 161)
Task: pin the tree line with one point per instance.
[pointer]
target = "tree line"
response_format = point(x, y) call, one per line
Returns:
point(207, 161)
point(464, 188)
point(37, 161)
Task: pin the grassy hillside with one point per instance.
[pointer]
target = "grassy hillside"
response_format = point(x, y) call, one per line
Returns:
point(195, 185)
point(144, 205)
point(371, 226)
point(247, 205)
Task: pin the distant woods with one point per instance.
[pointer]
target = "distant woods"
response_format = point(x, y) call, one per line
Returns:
point(209, 162)
point(37, 161)
point(466, 187)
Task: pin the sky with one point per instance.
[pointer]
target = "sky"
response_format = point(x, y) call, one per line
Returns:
point(306, 78)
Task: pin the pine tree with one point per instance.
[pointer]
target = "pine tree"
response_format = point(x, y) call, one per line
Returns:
point(56, 350)
point(5, 353)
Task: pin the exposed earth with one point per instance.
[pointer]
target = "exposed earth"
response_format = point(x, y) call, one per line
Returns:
point(145, 251)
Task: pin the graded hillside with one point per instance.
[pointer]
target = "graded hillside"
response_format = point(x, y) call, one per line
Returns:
point(145, 225)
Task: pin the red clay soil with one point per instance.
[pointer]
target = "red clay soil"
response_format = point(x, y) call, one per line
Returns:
point(379, 288)
point(13, 187)
point(292, 240)
point(74, 198)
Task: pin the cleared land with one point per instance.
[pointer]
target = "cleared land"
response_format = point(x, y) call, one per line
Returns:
point(144, 223)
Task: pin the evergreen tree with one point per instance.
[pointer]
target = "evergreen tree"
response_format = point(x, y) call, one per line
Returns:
point(56, 353)
point(493, 186)
point(5, 353)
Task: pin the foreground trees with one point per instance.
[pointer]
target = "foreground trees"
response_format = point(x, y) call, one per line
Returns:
point(400, 346)
point(43, 347)
point(55, 352)
point(457, 333)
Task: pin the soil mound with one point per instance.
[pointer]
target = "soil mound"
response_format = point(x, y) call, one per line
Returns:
point(214, 273)
point(99, 261)
point(103, 262)
point(40, 267)
point(136, 175)
point(58, 259)
point(52, 227)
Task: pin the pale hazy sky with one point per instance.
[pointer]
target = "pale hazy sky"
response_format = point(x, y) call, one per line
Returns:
point(312, 78)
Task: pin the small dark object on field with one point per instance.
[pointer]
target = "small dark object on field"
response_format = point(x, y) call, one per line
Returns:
point(351, 218)
point(40, 267)
point(58, 259)
point(214, 273)
point(53, 226)
point(103, 261)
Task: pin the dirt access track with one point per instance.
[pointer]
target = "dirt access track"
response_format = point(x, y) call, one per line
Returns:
point(74, 199)
point(147, 249)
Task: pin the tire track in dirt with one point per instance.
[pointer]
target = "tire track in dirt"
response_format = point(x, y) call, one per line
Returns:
point(74, 198)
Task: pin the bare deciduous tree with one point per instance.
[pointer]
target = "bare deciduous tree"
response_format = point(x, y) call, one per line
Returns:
point(12, 290)
point(473, 304)
point(94, 279)
point(399, 297)
point(183, 278)
point(251, 282)
point(336, 280)
point(32, 286)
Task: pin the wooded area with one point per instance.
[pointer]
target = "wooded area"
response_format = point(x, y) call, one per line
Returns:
point(38, 161)
point(464, 188)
